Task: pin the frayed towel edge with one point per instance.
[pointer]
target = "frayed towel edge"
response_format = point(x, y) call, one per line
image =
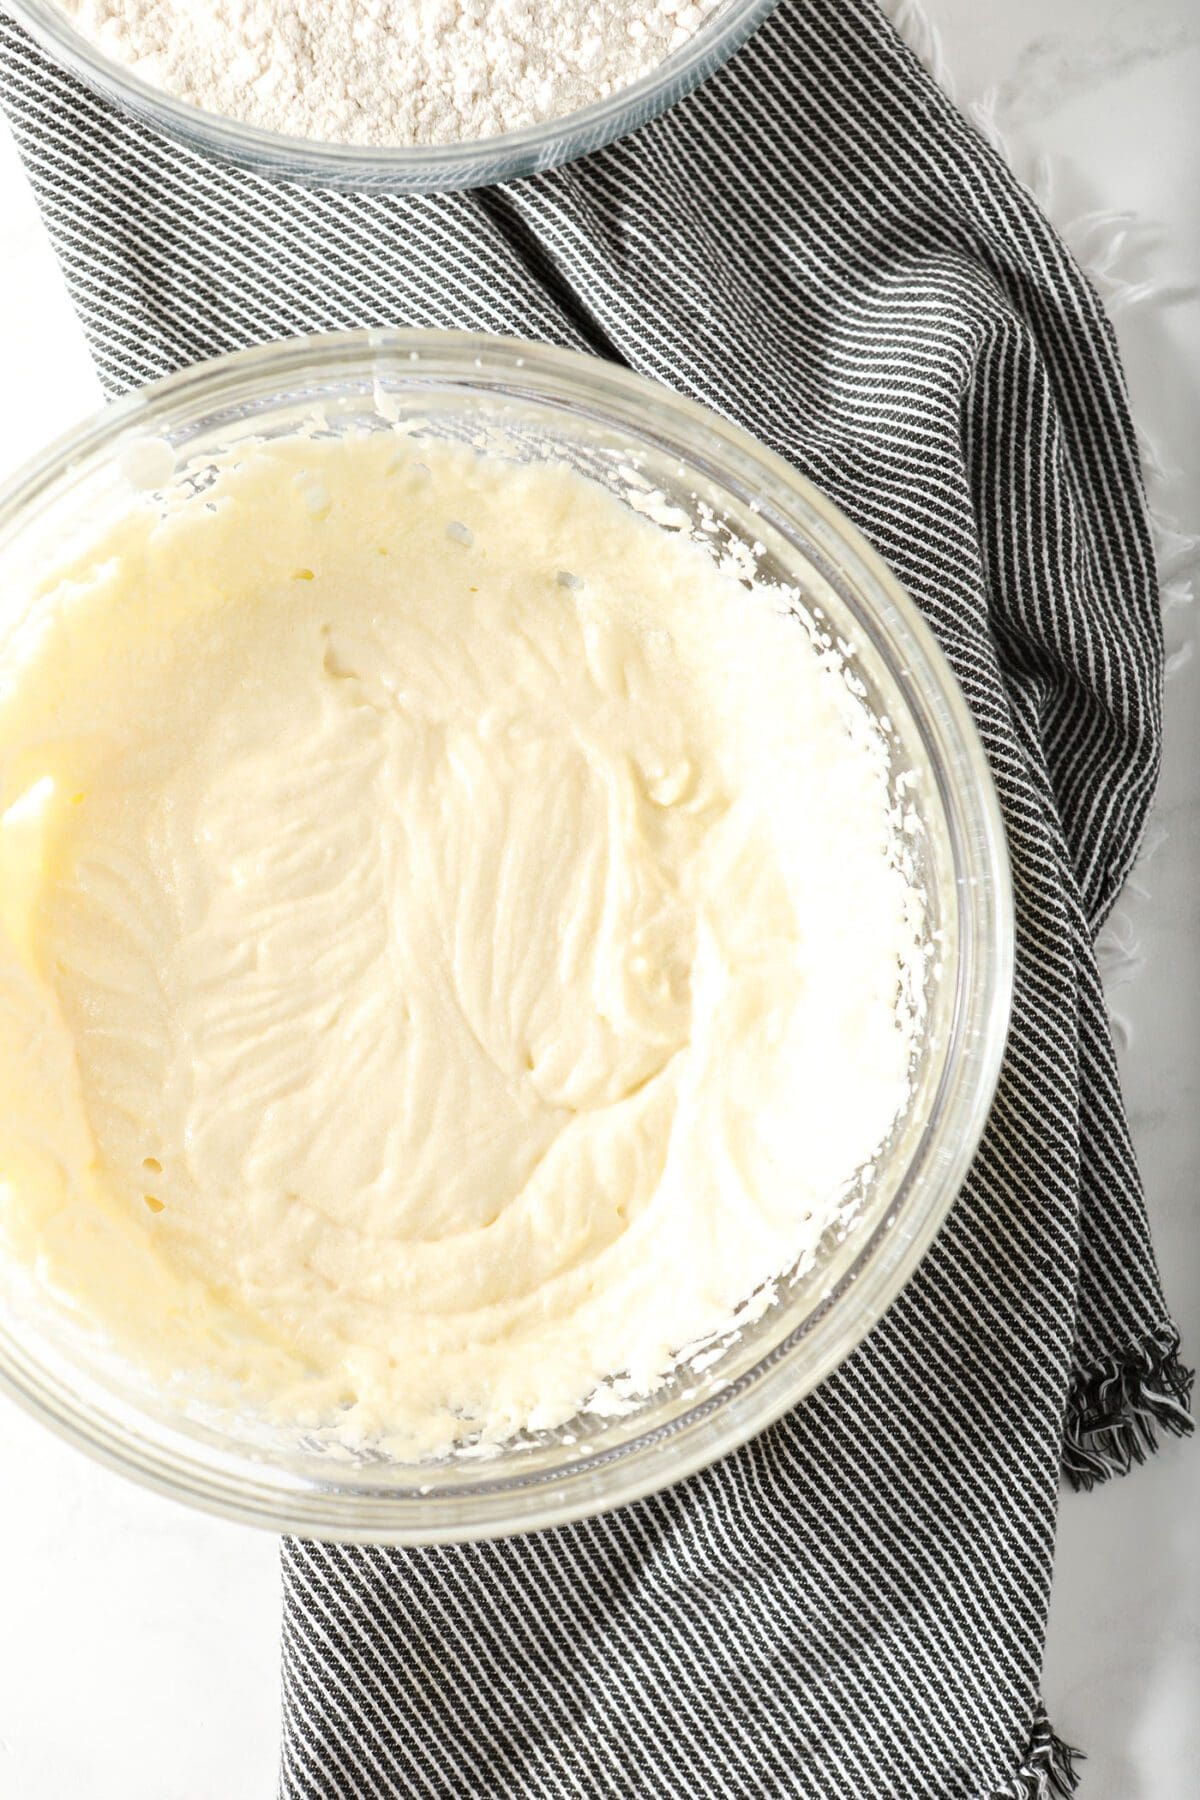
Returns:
point(1048, 1772)
point(1117, 1407)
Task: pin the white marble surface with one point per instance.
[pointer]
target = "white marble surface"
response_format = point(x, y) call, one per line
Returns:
point(139, 1642)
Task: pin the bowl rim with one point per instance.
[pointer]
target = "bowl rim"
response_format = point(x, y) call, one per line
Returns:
point(984, 969)
point(404, 168)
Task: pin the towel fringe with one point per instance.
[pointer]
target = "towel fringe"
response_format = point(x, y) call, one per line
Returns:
point(1048, 1772)
point(1116, 1408)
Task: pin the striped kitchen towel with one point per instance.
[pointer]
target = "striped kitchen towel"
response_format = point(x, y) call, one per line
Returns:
point(814, 243)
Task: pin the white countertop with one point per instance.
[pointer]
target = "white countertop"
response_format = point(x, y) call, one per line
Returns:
point(138, 1656)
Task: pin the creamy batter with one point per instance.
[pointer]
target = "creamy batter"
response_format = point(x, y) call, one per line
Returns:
point(451, 942)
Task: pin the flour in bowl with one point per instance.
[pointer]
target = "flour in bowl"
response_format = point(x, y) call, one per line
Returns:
point(380, 72)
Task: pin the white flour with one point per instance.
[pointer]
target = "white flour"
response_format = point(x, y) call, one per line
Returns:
point(379, 72)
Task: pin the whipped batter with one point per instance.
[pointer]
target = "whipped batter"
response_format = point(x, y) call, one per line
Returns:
point(452, 939)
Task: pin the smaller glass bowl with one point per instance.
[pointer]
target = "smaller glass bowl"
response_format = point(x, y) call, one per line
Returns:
point(412, 169)
point(601, 420)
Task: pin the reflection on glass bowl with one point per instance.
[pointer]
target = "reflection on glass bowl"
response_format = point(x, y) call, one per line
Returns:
point(596, 418)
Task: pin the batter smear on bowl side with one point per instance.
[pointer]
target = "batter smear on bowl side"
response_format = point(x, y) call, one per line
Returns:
point(453, 942)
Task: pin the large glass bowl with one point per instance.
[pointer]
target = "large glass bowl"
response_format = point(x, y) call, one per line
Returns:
point(538, 402)
point(425, 168)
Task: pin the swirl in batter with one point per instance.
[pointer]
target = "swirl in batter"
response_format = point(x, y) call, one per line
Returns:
point(451, 943)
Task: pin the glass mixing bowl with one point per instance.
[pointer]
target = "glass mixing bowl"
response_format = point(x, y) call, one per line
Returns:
point(532, 402)
point(424, 168)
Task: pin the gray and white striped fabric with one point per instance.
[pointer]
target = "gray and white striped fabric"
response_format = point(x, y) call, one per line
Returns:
point(815, 244)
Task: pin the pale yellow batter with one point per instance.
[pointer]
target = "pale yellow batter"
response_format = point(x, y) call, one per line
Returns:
point(450, 949)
